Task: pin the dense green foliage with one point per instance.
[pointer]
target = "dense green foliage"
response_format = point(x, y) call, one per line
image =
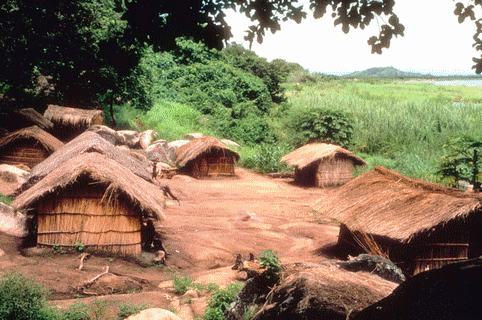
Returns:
point(220, 301)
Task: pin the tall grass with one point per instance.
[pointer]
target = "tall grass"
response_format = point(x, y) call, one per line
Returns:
point(402, 124)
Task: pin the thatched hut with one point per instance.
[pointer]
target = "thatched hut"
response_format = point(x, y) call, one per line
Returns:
point(322, 164)
point(205, 157)
point(28, 146)
point(33, 117)
point(419, 225)
point(70, 122)
point(92, 200)
point(87, 142)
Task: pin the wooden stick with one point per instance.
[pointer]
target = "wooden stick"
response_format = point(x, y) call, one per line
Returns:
point(82, 258)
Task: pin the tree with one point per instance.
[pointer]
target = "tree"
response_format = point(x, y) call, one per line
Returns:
point(462, 161)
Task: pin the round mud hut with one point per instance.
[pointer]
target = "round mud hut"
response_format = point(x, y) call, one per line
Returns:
point(28, 146)
point(205, 157)
point(322, 165)
point(91, 200)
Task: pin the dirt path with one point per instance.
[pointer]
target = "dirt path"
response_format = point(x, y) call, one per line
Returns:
point(216, 219)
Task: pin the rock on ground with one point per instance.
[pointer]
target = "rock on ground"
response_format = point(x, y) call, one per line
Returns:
point(154, 314)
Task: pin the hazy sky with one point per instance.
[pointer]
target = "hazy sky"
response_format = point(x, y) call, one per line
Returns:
point(434, 42)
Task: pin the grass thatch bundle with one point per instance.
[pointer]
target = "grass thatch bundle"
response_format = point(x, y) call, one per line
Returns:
point(385, 203)
point(36, 118)
point(199, 147)
point(66, 117)
point(323, 291)
point(87, 142)
point(48, 142)
point(313, 152)
point(144, 196)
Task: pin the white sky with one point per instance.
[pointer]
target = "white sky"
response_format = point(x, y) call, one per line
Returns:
point(434, 42)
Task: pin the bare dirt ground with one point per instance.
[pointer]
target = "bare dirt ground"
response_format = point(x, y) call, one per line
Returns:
point(215, 220)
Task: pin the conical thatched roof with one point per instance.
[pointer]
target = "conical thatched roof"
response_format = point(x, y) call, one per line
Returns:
point(84, 143)
point(65, 116)
point(34, 117)
point(48, 141)
point(198, 147)
point(312, 152)
point(385, 203)
point(144, 196)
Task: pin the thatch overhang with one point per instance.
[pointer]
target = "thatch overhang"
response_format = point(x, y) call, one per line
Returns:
point(387, 204)
point(313, 152)
point(87, 142)
point(48, 141)
point(196, 148)
point(33, 116)
point(147, 197)
point(65, 116)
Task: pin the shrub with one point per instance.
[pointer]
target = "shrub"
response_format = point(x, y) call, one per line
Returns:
point(21, 298)
point(270, 263)
point(126, 310)
point(182, 284)
point(6, 199)
point(319, 125)
point(265, 158)
point(220, 301)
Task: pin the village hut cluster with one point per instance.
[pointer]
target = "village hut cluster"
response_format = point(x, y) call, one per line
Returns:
point(76, 181)
point(79, 182)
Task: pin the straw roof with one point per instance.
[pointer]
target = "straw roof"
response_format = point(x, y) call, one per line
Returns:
point(48, 141)
point(84, 143)
point(385, 203)
point(36, 118)
point(312, 152)
point(65, 116)
point(198, 147)
point(143, 196)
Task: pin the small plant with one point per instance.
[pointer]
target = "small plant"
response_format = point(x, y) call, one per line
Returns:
point(182, 284)
point(79, 247)
point(270, 263)
point(128, 309)
point(76, 311)
point(6, 199)
point(201, 287)
point(99, 309)
point(58, 249)
point(188, 301)
point(220, 301)
point(21, 298)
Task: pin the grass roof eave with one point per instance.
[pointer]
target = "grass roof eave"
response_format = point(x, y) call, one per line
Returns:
point(313, 152)
point(66, 116)
point(48, 141)
point(198, 147)
point(84, 143)
point(385, 203)
point(142, 194)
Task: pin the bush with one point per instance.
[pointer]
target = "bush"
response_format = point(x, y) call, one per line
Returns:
point(21, 298)
point(126, 310)
point(265, 158)
point(270, 263)
point(220, 301)
point(182, 284)
point(319, 125)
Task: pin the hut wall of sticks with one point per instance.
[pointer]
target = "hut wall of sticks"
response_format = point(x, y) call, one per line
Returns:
point(322, 165)
point(70, 122)
point(94, 201)
point(79, 215)
point(205, 157)
point(417, 224)
point(28, 146)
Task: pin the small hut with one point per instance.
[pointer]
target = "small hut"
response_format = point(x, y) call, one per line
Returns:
point(28, 146)
point(30, 115)
point(93, 200)
point(322, 164)
point(419, 225)
point(70, 122)
point(205, 157)
point(87, 142)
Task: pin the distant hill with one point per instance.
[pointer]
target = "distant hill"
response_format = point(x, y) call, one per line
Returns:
point(386, 72)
